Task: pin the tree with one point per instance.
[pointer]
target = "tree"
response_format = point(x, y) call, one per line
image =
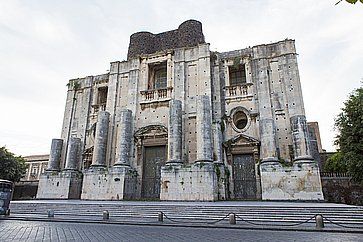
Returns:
point(336, 163)
point(12, 167)
point(350, 1)
point(349, 125)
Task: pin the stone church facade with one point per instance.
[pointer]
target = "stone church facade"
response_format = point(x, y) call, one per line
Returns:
point(176, 121)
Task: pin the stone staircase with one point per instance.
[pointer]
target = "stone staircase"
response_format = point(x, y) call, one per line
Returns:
point(261, 213)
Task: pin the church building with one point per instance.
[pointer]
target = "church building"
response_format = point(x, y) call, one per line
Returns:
point(176, 121)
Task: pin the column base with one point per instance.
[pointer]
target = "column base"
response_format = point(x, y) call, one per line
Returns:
point(270, 160)
point(60, 185)
point(174, 162)
point(116, 183)
point(301, 181)
point(196, 182)
point(304, 159)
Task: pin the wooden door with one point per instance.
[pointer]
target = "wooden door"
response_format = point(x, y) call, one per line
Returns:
point(154, 159)
point(244, 177)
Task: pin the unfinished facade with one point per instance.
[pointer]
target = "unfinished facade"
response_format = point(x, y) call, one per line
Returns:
point(176, 121)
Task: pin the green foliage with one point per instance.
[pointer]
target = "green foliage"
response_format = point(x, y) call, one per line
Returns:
point(349, 124)
point(12, 167)
point(336, 163)
point(218, 171)
point(350, 1)
point(74, 84)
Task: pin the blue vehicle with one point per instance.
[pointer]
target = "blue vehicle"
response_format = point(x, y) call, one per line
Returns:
point(6, 194)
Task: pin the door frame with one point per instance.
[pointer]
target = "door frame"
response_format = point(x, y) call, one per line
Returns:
point(151, 135)
point(233, 173)
point(242, 145)
point(143, 166)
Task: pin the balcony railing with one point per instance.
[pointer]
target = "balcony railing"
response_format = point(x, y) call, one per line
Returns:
point(156, 94)
point(99, 107)
point(96, 108)
point(236, 91)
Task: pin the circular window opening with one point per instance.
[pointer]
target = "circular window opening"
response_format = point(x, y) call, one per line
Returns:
point(240, 120)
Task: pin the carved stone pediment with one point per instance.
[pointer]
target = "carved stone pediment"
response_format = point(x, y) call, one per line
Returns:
point(151, 131)
point(241, 140)
point(242, 144)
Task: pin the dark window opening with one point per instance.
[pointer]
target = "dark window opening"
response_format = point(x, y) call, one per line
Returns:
point(87, 158)
point(102, 96)
point(237, 74)
point(240, 120)
point(157, 76)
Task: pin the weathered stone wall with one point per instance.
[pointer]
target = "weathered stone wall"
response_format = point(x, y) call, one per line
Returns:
point(81, 112)
point(339, 189)
point(188, 34)
point(113, 184)
point(62, 185)
point(197, 182)
point(271, 98)
point(298, 182)
point(25, 190)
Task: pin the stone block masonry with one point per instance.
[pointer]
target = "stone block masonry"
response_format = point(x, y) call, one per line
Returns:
point(176, 121)
point(197, 182)
point(188, 34)
point(60, 185)
point(66, 184)
point(117, 183)
point(301, 181)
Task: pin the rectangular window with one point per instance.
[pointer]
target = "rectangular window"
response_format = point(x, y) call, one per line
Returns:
point(157, 76)
point(102, 96)
point(237, 74)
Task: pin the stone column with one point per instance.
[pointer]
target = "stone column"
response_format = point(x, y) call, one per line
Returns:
point(300, 138)
point(218, 140)
point(55, 155)
point(100, 146)
point(204, 129)
point(125, 138)
point(266, 123)
point(175, 132)
point(72, 160)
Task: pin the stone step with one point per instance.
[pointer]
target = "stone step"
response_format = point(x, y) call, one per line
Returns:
point(193, 217)
point(203, 212)
point(208, 213)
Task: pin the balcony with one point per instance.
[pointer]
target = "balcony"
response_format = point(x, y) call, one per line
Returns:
point(156, 95)
point(240, 91)
point(96, 108)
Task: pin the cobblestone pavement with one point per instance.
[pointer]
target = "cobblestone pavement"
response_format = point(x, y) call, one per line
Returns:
point(11, 230)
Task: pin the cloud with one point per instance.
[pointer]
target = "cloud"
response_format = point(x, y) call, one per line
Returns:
point(43, 44)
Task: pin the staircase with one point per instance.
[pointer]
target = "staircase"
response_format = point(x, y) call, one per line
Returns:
point(260, 213)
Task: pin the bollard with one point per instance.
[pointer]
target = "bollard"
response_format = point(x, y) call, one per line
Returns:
point(232, 218)
point(106, 215)
point(319, 221)
point(161, 217)
point(50, 213)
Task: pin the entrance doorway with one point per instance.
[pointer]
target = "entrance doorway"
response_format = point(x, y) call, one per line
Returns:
point(154, 159)
point(244, 177)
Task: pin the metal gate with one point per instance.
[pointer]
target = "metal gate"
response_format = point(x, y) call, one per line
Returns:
point(154, 159)
point(244, 177)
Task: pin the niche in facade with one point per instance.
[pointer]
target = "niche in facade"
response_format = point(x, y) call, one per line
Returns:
point(237, 74)
point(157, 76)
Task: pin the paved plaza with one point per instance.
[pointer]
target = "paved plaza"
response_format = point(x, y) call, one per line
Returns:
point(12, 230)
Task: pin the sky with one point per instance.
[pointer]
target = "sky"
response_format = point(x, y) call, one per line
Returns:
point(43, 44)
